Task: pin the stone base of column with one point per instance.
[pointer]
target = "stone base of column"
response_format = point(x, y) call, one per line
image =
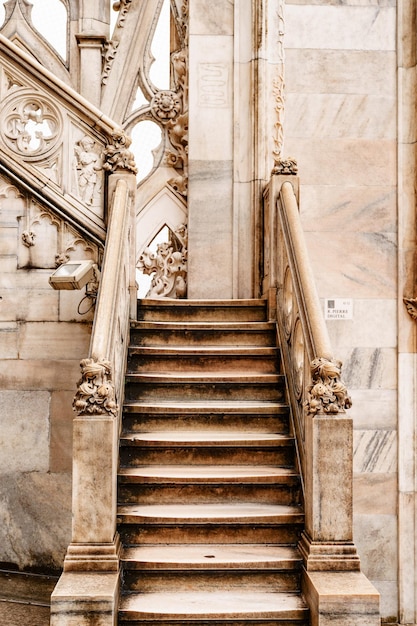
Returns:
point(87, 557)
point(331, 556)
point(86, 599)
point(342, 598)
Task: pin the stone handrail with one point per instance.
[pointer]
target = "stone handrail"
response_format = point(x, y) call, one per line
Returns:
point(316, 393)
point(99, 397)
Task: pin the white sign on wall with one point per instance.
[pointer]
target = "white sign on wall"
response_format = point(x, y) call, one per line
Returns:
point(338, 309)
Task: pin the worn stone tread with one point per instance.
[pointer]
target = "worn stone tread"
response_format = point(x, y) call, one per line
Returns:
point(211, 556)
point(204, 438)
point(190, 474)
point(230, 513)
point(214, 605)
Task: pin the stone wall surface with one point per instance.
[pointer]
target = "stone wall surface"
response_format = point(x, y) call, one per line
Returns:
point(41, 344)
point(341, 106)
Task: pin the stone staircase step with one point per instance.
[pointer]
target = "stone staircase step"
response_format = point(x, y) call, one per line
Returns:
point(243, 334)
point(193, 359)
point(210, 386)
point(211, 557)
point(203, 484)
point(232, 415)
point(202, 310)
point(243, 522)
point(203, 448)
point(221, 607)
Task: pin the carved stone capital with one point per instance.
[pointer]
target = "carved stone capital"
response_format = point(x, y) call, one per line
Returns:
point(327, 394)
point(95, 394)
point(285, 166)
point(117, 155)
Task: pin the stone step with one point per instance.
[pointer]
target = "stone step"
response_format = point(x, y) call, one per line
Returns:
point(207, 386)
point(202, 310)
point(206, 447)
point(229, 523)
point(243, 334)
point(262, 416)
point(196, 359)
point(204, 484)
point(238, 608)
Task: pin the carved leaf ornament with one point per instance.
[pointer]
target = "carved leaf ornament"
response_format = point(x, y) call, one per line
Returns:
point(327, 394)
point(95, 394)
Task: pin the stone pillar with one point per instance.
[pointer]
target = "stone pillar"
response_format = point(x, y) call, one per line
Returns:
point(94, 23)
point(327, 543)
point(210, 192)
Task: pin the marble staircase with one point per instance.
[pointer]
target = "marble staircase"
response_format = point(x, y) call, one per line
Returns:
point(210, 504)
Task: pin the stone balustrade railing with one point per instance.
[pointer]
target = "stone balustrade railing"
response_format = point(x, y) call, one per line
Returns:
point(316, 393)
point(99, 397)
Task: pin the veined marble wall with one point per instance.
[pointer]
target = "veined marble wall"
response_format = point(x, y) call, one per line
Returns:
point(41, 344)
point(341, 126)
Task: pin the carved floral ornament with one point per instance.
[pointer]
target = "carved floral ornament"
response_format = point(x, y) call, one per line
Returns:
point(95, 394)
point(327, 394)
point(411, 306)
point(165, 105)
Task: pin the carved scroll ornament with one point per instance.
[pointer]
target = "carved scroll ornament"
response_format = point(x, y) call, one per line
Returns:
point(95, 394)
point(117, 155)
point(327, 394)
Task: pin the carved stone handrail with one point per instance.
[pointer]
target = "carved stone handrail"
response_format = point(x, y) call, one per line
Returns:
point(317, 395)
point(99, 397)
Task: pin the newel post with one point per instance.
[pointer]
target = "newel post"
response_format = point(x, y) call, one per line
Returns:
point(327, 543)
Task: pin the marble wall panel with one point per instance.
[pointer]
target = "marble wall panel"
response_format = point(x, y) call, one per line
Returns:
point(375, 494)
point(354, 265)
point(39, 374)
point(24, 427)
point(340, 115)
point(375, 451)
point(359, 209)
point(375, 537)
point(35, 519)
point(371, 72)
point(213, 18)
point(210, 230)
point(46, 340)
point(211, 98)
point(73, 306)
point(61, 419)
point(372, 326)
point(361, 162)
point(8, 240)
point(340, 27)
point(361, 3)
point(373, 408)
point(369, 368)
point(9, 340)
point(11, 278)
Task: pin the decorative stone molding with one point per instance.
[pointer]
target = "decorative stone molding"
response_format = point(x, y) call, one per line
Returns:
point(109, 53)
point(278, 88)
point(95, 394)
point(117, 155)
point(165, 106)
point(169, 266)
point(123, 8)
point(327, 394)
point(411, 306)
point(30, 125)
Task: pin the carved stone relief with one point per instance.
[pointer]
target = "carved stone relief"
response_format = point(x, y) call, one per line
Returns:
point(88, 168)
